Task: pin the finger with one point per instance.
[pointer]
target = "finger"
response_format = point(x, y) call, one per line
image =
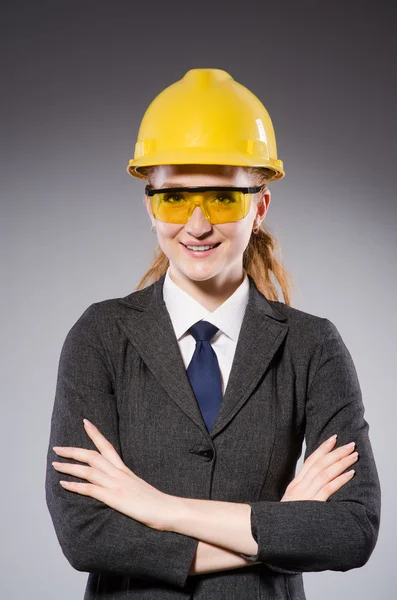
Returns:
point(92, 457)
point(88, 473)
point(328, 463)
point(87, 489)
point(333, 486)
point(329, 474)
point(103, 494)
point(322, 461)
point(322, 450)
point(105, 447)
point(333, 457)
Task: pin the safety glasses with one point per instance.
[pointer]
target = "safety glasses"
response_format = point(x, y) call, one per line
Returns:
point(219, 204)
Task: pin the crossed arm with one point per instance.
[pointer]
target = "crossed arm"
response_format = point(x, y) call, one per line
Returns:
point(199, 536)
point(222, 528)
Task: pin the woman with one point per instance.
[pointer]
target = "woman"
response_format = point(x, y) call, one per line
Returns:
point(200, 388)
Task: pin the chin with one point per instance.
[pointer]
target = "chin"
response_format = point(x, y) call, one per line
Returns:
point(196, 272)
point(202, 273)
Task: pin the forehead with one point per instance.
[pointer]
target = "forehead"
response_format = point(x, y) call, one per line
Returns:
point(187, 175)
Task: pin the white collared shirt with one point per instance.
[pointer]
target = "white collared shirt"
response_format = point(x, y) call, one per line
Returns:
point(185, 311)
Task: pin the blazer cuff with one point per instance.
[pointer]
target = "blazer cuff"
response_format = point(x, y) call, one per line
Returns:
point(256, 558)
point(254, 531)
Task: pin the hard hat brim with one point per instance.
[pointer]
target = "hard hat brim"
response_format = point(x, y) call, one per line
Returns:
point(194, 157)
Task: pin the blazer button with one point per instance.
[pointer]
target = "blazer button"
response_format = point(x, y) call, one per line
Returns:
point(206, 453)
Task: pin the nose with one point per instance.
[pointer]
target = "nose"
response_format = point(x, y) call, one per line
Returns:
point(198, 223)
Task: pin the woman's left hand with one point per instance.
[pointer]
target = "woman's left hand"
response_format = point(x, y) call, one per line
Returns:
point(113, 483)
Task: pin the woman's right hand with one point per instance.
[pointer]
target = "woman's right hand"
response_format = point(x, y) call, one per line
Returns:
point(321, 475)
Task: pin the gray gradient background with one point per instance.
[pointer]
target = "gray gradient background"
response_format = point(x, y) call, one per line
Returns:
point(77, 78)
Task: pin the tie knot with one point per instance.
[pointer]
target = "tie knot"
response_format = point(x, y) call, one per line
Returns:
point(202, 331)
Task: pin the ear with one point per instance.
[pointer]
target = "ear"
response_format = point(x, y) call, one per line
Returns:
point(262, 206)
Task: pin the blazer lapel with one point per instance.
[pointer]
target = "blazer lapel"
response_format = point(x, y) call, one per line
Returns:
point(148, 327)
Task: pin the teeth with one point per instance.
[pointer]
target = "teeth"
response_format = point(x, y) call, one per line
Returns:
point(200, 248)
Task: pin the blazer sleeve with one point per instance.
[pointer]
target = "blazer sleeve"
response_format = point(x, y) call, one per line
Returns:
point(338, 534)
point(93, 536)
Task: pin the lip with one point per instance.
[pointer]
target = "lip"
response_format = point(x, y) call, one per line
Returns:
point(200, 244)
point(200, 253)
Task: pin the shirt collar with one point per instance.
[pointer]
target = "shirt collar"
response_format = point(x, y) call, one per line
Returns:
point(185, 311)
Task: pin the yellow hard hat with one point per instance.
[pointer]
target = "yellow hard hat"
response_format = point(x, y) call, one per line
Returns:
point(206, 118)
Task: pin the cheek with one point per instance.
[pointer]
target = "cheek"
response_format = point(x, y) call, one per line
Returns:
point(167, 234)
point(238, 232)
point(167, 231)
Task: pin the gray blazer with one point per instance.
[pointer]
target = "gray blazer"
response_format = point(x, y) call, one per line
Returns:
point(292, 379)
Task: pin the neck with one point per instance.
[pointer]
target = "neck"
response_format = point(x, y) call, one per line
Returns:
point(212, 292)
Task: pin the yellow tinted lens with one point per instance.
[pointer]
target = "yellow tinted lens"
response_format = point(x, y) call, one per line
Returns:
point(227, 206)
point(172, 207)
point(218, 206)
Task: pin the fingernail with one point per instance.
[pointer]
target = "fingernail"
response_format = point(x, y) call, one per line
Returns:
point(87, 422)
point(333, 437)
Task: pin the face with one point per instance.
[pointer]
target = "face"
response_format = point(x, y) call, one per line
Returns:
point(224, 263)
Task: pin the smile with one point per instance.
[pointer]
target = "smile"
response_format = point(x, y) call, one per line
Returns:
point(201, 251)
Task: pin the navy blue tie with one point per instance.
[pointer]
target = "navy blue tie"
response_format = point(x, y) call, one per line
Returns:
point(204, 373)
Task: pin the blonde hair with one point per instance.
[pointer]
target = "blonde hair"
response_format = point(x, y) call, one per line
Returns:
point(259, 258)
